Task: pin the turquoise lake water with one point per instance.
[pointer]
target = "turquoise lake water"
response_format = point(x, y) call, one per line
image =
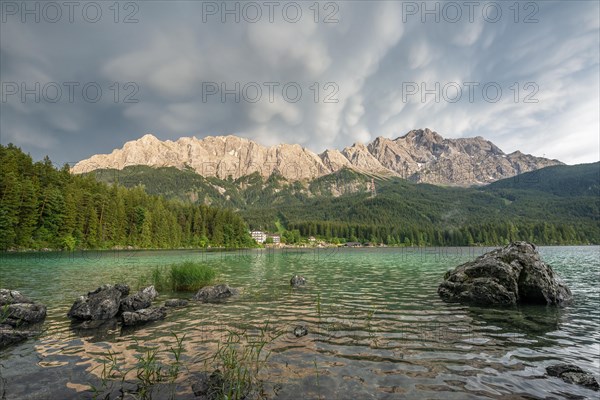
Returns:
point(377, 328)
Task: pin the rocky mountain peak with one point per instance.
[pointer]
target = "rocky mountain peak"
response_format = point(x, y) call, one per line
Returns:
point(148, 138)
point(423, 135)
point(421, 155)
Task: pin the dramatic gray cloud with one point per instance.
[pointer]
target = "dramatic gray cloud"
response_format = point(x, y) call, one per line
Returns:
point(387, 71)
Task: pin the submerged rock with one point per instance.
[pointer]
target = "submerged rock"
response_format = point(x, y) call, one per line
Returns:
point(102, 303)
point(140, 300)
point(216, 386)
point(300, 331)
point(131, 318)
point(209, 386)
point(100, 325)
point(209, 294)
point(573, 374)
point(297, 281)
point(10, 335)
point(94, 331)
point(176, 303)
point(508, 276)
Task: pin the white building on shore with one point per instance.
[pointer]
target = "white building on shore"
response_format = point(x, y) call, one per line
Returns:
point(259, 236)
point(276, 239)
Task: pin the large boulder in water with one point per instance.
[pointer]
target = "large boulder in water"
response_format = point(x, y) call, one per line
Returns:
point(102, 303)
point(211, 294)
point(17, 310)
point(508, 276)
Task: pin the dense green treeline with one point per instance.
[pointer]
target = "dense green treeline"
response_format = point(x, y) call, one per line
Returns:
point(486, 234)
point(44, 207)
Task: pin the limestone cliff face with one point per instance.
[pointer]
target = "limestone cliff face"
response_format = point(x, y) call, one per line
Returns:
point(420, 155)
point(425, 156)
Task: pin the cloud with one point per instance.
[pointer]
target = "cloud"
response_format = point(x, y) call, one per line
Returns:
point(352, 75)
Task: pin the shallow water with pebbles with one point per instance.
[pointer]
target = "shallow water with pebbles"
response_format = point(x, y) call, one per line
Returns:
point(376, 326)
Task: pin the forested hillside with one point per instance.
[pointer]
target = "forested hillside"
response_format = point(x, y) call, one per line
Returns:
point(559, 180)
point(557, 205)
point(421, 214)
point(43, 207)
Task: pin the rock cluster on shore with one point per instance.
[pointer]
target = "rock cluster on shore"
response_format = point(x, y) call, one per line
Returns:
point(110, 301)
point(512, 275)
point(100, 304)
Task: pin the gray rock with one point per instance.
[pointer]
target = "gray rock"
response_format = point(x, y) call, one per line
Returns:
point(136, 301)
point(17, 309)
point(8, 296)
point(10, 336)
point(123, 288)
point(209, 386)
point(94, 331)
point(176, 303)
point(210, 294)
point(300, 331)
point(573, 374)
point(95, 325)
point(508, 276)
point(139, 300)
point(150, 291)
point(18, 314)
point(102, 303)
point(297, 281)
point(215, 386)
point(142, 316)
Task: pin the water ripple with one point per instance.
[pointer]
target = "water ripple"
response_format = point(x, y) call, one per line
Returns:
point(377, 329)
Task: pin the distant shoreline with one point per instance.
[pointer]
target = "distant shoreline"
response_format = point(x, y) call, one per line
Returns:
point(232, 249)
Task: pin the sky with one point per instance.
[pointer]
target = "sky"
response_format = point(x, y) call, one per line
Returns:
point(83, 78)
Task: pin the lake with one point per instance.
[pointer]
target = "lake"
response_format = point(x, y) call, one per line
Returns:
point(377, 328)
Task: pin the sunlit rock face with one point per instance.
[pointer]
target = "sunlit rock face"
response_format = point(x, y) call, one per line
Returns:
point(420, 156)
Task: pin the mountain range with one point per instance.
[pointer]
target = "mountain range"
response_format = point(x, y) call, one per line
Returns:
point(421, 156)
